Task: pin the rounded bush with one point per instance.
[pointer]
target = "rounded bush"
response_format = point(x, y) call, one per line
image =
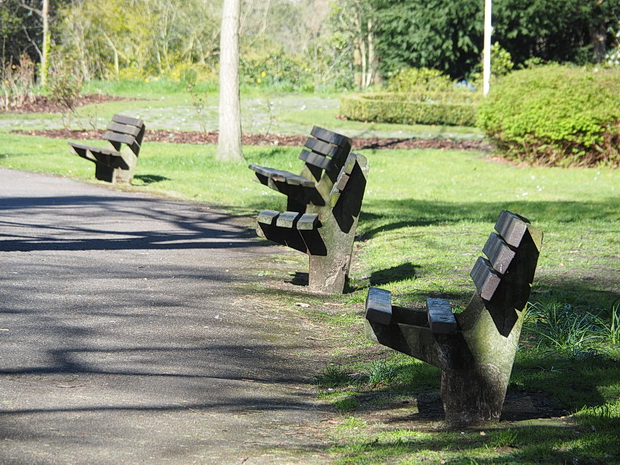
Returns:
point(555, 116)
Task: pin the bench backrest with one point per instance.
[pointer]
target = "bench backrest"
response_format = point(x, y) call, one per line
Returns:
point(125, 130)
point(504, 278)
point(325, 151)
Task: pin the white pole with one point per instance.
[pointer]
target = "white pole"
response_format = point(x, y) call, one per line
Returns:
point(486, 59)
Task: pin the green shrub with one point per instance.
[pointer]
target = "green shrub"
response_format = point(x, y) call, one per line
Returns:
point(420, 106)
point(409, 79)
point(555, 116)
point(65, 81)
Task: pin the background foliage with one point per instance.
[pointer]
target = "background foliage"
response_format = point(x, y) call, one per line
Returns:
point(556, 115)
point(307, 43)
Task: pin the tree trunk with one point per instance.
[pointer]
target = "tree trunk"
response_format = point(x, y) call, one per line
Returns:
point(357, 63)
point(46, 42)
point(229, 140)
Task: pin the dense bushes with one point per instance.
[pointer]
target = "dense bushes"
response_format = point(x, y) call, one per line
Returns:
point(556, 116)
point(415, 96)
point(425, 107)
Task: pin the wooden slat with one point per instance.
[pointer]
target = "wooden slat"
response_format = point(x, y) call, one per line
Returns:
point(124, 129)
point(283, 176)
point(292, 179)
point(500, 255)
point(267, 217)
point(331, 137)
point(511, 227)
point(110, 152)
point(322, 148)
point(485, 278)
point(128, 120)
point(121, 138)
point(349, 163)
point(287, 219)
point(379, 306)
point(316, 159)
point(341, 182)
point(108, 159)
point(338, 188)
point(261, 170)
point(308, 222)
point(440, 316)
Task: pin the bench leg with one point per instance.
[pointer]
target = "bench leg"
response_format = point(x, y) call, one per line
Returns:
point(131, 161)
point(474, 384)
point(328, 274)
point(104, 173)
point(125, 176)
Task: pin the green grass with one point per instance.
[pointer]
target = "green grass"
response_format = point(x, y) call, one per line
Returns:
point(425, 217)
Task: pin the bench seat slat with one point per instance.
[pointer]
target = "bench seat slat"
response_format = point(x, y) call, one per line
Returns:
point(379, 306)
point(287, 219)
point(261, 170)
point(283, 176)
point(94, 148)
point(268, 217)
point(308, 222)
point(293, 179)
point(440, 316)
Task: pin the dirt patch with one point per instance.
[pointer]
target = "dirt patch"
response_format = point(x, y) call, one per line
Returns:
point(203, 138)
point(425, 410)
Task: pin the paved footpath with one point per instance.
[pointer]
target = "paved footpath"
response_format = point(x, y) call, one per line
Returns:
point(126, 336)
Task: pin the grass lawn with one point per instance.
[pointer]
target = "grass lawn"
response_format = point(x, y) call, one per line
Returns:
point(426, 216)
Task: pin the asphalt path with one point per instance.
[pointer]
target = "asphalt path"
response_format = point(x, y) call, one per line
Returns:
point(128, 336)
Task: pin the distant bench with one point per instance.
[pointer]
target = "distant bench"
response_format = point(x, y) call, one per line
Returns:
point(475, 349)
point(323, 206)
point(117, 163)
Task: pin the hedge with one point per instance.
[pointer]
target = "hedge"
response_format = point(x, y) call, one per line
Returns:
point(422, 107)
point(555, 116)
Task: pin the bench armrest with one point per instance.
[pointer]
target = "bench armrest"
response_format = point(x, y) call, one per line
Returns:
point(287, 177)
point(379, 306)
point(440, 317)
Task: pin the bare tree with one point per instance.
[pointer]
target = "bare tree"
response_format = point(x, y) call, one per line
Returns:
point(45, 47)
point(229, 140)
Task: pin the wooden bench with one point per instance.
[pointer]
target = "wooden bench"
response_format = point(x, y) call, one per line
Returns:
point(474, 349)
point(118, 162)
point(323, 206)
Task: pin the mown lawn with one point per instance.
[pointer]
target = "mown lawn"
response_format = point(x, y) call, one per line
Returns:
point(426, 216)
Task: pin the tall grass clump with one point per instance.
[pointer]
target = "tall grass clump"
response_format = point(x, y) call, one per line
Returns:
point(555, 116)
point(565, 327)
point(573, 328)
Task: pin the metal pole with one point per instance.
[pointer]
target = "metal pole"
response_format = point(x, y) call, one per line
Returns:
point(486, 59)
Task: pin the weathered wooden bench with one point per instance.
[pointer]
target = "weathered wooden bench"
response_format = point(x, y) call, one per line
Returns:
point(323, 206)
point(118, 163)
point(474, 349)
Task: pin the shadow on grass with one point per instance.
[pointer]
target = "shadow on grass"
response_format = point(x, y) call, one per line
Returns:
point(388, 215)
point(150, 178)
point(395, 273)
